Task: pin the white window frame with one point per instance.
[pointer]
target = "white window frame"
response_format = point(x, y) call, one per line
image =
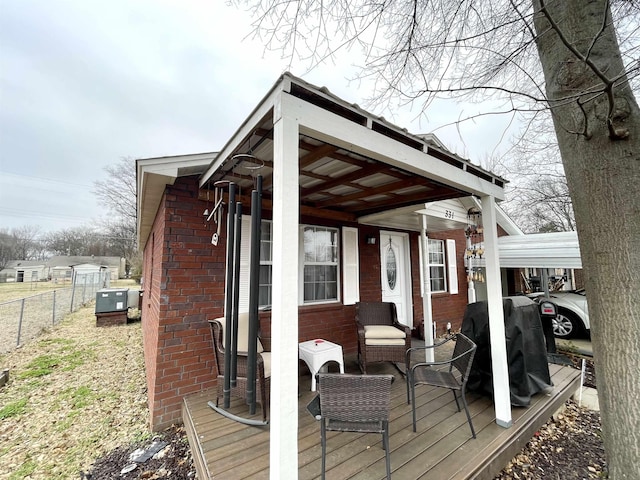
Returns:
point(244, 264)
point(302, 263)
point(442, 266)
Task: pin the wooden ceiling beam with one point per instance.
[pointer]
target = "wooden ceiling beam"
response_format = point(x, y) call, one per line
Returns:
point(267, 204)
point(367, 208)
point(316, 154)
point(368, 192)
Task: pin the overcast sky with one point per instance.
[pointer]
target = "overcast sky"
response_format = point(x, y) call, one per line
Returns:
point(84, 83)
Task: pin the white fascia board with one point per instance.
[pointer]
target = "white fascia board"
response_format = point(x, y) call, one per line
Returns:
point(452, 209)
point(506, 223)
point(326, 126)
point(152, 176)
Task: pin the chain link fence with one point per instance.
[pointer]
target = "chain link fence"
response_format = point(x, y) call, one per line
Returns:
point(22, 320)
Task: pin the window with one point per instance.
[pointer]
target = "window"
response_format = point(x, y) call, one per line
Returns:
point(437, 266)
point(320, 264)
point(265, 280)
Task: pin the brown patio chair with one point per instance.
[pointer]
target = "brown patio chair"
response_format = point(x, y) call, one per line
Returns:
point(263, 370)
point(354, 403)
point(454, 377)
point(381, 338)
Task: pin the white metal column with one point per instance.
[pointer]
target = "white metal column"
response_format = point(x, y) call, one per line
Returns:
point(499, 365)
point(283, 454)
point(426, 292)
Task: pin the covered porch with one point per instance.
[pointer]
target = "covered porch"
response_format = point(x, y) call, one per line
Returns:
point(441, 449)
point(324, 160)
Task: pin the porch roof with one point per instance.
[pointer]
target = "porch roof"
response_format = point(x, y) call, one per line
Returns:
point(353, 166)
point(352, 163)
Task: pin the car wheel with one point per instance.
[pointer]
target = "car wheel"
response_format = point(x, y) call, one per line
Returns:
point(566, 325)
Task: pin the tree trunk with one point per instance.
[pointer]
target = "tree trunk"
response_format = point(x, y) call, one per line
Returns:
point(603, 174)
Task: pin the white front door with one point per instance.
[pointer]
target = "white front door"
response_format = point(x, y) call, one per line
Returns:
point(395, 273)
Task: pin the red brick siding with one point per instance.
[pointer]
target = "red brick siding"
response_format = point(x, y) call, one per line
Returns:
point(184, 288)
point(152, 274)
point(185, 291)
point(447, 307)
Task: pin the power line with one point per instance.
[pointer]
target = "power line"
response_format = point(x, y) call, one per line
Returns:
point(44, 179)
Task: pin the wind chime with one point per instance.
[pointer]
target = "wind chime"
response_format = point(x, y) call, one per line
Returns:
point(251, 164)
point(474, 232)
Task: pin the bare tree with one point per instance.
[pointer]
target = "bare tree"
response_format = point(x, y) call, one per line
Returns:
point(7, 249)
point(577, 59)
point(537, 196)
point(118, 194)
point(26, 244)
point(73, 241)
point(118, 190)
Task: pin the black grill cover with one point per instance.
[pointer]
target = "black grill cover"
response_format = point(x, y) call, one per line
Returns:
point(526, 350)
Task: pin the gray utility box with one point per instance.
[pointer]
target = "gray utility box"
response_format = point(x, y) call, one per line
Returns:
point(111, 300)
point(133, 299)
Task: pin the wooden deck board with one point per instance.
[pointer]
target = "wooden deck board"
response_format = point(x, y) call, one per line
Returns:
point(442, 447)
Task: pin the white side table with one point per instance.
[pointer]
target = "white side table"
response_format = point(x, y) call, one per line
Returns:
point(316, 353)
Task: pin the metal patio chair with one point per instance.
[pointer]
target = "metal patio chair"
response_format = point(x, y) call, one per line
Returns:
point(454, 377)
point(381, 338)
point(355, 403)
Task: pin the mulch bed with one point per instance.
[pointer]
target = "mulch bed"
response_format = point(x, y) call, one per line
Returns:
point(567, 447)
point(172, 462)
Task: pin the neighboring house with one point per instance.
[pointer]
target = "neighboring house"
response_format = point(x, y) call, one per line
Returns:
point(61, 266)
point(24, 271)
point(354, 209)
point(59, 269)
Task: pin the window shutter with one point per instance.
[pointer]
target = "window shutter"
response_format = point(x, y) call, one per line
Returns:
point(245, 259)
point(350, 266)
point(452, 267)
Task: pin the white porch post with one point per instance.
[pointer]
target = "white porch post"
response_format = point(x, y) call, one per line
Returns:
point(283, 456)
point(426, 292)
point(500, 369)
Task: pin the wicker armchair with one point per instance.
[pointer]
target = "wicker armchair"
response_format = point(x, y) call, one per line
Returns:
point(454, 377)
point(263, 370)
point(355, 403)
point(381, 338)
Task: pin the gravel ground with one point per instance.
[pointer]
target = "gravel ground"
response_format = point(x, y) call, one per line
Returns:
point(75, 407)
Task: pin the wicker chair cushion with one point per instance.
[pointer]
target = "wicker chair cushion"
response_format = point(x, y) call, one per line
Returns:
point(243, 333)
point(383, 342)
point(266, 360)
point(383, 335)
point(383, 332)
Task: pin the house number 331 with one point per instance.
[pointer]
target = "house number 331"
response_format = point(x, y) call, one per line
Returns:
point(448, 214)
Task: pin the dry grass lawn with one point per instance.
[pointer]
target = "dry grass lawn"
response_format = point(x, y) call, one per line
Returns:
point(14, 291)
point(74, 394)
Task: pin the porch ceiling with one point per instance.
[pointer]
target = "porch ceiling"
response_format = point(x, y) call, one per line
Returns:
point(333, 181)
point(344, 178)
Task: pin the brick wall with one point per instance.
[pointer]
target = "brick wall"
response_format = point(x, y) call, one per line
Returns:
point(184, 288)
point(447, 307)
point(183, 281)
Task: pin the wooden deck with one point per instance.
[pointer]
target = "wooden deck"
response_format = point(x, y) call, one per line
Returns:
point(441, 449)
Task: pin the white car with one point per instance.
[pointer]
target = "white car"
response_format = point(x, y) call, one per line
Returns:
point(573, 314)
